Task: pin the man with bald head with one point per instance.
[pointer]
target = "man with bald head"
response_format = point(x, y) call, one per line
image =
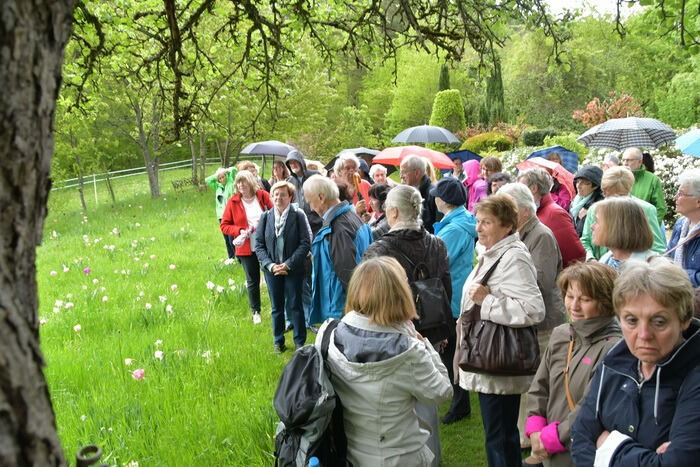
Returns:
point(647, 186)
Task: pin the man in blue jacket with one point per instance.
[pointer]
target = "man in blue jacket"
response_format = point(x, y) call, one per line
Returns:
point(336, 249)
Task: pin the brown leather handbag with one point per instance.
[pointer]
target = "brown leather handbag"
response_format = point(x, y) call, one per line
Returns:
point(490, 348)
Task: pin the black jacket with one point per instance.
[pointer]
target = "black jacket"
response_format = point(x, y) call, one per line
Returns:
point(314, 219)
point(296, 241)
point(429, 214)
point(420, 247)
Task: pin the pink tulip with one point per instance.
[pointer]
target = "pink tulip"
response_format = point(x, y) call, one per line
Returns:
point(138, 374)
point(87, 271)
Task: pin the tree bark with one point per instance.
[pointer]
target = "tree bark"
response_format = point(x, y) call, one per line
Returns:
point(79, 167)
point(33, 35)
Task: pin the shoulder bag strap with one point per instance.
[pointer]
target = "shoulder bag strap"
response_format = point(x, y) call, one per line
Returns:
point(487, 276)
point(416, 270)
point(680, 244)
point(325, 341)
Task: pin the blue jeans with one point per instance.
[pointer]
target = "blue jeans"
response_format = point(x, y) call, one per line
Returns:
point(285, 294)
point(230, 249)
point(499, 414)
point(251, 267)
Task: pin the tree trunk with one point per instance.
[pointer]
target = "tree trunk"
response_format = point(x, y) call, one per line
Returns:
point(79, 167)
point(33, 35)
point(109, 187)
point(202, 159)
point(149, 160)
point(193, 154)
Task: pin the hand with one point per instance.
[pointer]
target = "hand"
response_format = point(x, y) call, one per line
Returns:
point(361, 207)
point(279, 269)
point(366, 217)
point(538, 449)
point(662, 449)
point(443, 346)
point(419, 337)
point(582, 213)
point(601, 439)
point(478, 293)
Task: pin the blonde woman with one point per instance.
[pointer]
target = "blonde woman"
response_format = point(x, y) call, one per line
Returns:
point(381, 367)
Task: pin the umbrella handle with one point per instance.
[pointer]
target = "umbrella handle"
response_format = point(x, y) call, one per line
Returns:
point(356, 182)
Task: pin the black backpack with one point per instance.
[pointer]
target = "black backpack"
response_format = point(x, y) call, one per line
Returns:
point(311, 415)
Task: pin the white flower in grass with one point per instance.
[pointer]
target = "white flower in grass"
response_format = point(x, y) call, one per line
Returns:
point(210, 285)
point(69, 295)
point(65, 268)
point(162, 298)
point(172, 267)
point(228, 261)
point(145, 265)
point(231, 282)
point(136, 258)
point(105, 298)
point(42, 321)
point(173, 287)
point(83, 418)
point(102, 289)
point(56, 309)
point(152, 256)
point(158, 342)
point(95, 281)
point(52, 273)
point(168, 308)
point(158, 355)
point(141, 294)
point(153, 239)
point(128, 361)
point(58, 303)
point(137, 225)
point(68, 305)
point(132, 464)
point(219, 289)
point(148, 306)
point(77, 328)
point(85, 287)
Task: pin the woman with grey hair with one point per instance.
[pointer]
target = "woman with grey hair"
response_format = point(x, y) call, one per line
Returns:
point(378, 173)
point(416, 249)
point(642, 404)
point(684, 246)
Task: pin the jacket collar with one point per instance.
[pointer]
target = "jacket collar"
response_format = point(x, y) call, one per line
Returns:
point(499, 248)
point(596, 328)
point(334, 212)
point(546, 200)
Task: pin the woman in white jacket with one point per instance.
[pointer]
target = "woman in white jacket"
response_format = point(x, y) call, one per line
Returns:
point(381, 366)
point(510, 297)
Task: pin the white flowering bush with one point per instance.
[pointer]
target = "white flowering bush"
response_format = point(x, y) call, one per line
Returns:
point(669, 163)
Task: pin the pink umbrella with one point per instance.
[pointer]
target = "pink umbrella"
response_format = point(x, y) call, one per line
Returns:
point(394, 156)
point(556, 170)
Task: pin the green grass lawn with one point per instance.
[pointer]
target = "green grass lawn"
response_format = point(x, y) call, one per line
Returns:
point(210, 374)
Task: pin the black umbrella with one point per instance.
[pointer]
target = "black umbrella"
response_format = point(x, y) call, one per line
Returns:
point(426, 134)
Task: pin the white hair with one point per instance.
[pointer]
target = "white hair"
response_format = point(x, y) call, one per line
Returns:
point(320, 185)
point(538, 177)
point(345, 156)
point(691, 180)
point(521, 194)
point(377, 168)
point(407, 200)
point(636, 152)
point(414, 162)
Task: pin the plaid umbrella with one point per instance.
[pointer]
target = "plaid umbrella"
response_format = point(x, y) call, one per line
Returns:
point(426, 134)
point(622, 133)
point(689, 143)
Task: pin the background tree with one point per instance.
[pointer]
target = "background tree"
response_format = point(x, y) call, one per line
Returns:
point(444, 82)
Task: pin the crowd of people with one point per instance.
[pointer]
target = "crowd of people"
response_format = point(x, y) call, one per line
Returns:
point(591, 272)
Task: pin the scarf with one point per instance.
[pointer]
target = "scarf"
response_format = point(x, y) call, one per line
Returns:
point(578, 203)
point(280, 221)
point(679, 254)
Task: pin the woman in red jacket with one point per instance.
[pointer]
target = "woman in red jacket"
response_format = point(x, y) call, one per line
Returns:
point(240, 219)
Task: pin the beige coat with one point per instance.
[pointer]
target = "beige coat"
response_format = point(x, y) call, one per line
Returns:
point(547, 395)
point(546, 257)
point(514, 300)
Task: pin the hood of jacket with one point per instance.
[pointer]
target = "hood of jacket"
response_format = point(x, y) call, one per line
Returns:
point(296, 155)
point(679, 362)
point(473, 170)
point(459, 219)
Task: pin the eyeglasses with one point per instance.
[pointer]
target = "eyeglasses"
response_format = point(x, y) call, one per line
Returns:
point(680, 194)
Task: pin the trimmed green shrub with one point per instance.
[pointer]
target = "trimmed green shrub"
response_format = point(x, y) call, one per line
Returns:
point(536, 137)
point(488, 142)
point(448, 110)
point(569, 142)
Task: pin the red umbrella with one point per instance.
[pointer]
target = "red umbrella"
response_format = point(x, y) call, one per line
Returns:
point(394, 156)
point(557, 171)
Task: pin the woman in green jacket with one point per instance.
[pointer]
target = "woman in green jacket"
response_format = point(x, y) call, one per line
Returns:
point(222, 183)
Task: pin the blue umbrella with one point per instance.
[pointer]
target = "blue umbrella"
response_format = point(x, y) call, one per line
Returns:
point(569, 159)
point(689, 143)
point(464, 155)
